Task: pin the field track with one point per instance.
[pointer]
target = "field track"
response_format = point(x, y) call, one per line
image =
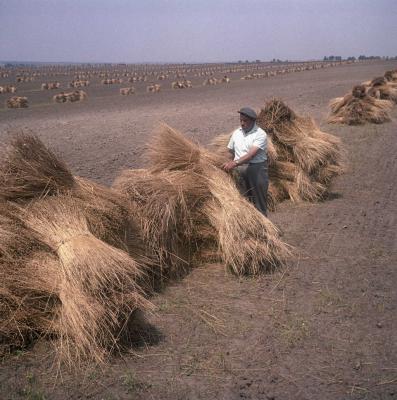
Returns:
point(323, 328)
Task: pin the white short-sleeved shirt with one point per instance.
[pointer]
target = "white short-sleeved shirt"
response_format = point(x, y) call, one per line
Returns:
point(241, 143)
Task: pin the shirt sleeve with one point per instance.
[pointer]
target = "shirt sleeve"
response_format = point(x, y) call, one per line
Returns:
point(260, 139)
point(230, 145)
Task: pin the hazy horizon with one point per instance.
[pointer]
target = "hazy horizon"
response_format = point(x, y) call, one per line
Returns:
point(178, 31)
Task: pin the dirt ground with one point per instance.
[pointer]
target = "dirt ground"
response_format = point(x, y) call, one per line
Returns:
point(325, 327)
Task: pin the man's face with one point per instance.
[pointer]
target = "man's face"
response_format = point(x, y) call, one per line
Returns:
point(246, 123)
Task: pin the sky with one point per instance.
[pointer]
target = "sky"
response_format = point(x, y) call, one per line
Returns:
point(167, 31)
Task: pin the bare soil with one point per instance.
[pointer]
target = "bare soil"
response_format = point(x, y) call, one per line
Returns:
point(322, 328)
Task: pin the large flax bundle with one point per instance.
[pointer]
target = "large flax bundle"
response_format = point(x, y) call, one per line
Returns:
point(30, 171)
point(98, 284)
point(302, 159)
point(358, 107)
point(164, 203)
point(63, 269)
point(218, 205)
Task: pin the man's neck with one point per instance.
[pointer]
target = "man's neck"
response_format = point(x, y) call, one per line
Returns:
point(248, 129)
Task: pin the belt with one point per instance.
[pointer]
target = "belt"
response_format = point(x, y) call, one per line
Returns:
point(257, 163)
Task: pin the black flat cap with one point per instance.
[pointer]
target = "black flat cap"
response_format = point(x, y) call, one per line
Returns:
point(248, 112)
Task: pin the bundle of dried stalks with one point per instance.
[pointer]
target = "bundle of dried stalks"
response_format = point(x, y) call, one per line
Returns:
point(17, 102)
point(170, 150)
point(28, 299)
point(15, 239)
point(165, 204)
point(378, 81)
point(383, 90)
point(29, 170)
point(248, 242)
point(109, 216)
point(357, 109)
point(218, 146)
point(391, 76)
point(98, 289)
point(306, 158)
point(26, 286)
point(57, 275)
point(275, 117)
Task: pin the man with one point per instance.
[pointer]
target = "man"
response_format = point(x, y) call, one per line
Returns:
point(248, 148)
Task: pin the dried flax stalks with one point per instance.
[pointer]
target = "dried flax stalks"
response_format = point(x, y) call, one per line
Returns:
point(248, 242)
point(306, 158)
point(98, 286)
point(382, 88)
point(27, 283)
point(302, 160)
point(164, 204)
point(72, 261)
point(358, 108)
point(30, 170)
point(211, 204)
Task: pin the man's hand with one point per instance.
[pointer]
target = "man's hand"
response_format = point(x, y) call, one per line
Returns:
point(229, 165)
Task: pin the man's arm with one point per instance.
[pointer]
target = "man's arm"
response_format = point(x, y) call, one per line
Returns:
point(242, 160)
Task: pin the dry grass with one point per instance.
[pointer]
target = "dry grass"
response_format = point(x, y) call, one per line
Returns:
point(17, 102)
point(391, 76)
point(29, 170)
point(25, 293)
point(97, 283)
point(164, 203)
point(216, 208)
point(384, 92)
point(63, 254)
point(170, 150)
point(109, 216)
point(302, 159)
point(357, 108)
point(248, 242)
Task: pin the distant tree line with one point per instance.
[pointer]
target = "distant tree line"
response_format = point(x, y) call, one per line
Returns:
point(361, 57)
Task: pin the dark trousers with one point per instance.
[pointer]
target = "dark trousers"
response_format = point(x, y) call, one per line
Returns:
point(253, 184)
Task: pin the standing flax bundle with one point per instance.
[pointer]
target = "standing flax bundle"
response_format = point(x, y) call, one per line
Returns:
point(302, 159)
point(381, 88)
point(307, 158)
point(164, 203)
point(215, 213)
point(31, 171)
point(98, 289)
point(357, 108)
point(62, 261)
